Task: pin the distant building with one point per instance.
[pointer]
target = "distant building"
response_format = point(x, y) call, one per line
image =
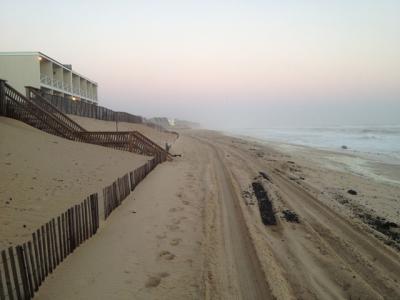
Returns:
point(37, 70)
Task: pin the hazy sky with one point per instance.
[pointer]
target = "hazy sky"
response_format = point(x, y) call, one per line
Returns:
point(225, 63)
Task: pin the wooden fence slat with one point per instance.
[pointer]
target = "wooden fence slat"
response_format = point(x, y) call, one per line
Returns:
point(89, 217)
point(97, 210)
point(71, 230)
point(41, 259)
point(60, 242)
point(38, 265)
point(49, 248)
point(77, 226)
point(63, 237)
point(28, 269)
point(66, 232)
point(45, 260)
point(52, 248)
point(14, 272)
point(7, 275)
point(23, 271)
point(54, 231)
point(34, 267)
point(2, 288)
point(83, 208)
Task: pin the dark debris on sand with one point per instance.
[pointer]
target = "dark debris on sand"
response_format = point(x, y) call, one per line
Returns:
point(264, 204)
point(389, 229)
point(290, 216)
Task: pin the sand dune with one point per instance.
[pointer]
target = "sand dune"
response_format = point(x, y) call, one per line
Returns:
point(42, 175)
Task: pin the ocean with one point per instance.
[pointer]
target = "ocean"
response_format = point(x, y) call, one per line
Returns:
point(376, 140)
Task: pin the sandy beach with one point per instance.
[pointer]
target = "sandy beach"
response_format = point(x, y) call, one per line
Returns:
point(192, 229)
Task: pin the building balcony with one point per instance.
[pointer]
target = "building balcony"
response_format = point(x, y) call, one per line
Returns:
point(65, 88)
point(58, 84)
point(45, 79)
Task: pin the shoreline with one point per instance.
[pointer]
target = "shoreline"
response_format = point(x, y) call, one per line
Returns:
point(381, 167)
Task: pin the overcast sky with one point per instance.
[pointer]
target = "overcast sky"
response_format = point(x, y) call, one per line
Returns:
point(225, 63)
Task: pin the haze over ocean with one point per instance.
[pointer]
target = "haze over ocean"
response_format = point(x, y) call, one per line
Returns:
point(225, 63)
point(380, 140)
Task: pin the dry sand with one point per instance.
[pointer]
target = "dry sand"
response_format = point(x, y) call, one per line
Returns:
point(192, 230)
point(42, 175)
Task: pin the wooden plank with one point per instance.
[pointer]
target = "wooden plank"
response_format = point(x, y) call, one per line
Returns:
point(45, 260)
point(73, 235)
point(71, 230)
point(14, 272)
point(52, 247)
point(96, 197)
point(76, 233)
point(23, 272)
point(66, 233)
point(49, 248)
point(79, 224)
point(63, 237)
point(53, 222)
point(82, 209)
point(41, 257)
point(2, 287)
point(84, 212)
point(28, 269)
point(34, 267)
point(38, 266)
point(60, 240)
point(90, 227)
point(7, 275)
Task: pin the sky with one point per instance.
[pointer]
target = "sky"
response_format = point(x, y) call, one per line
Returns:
point(225, 64)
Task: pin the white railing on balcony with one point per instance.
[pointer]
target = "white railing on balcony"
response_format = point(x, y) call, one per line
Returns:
point(58, 84)
point(66, 87)
point(45, 79)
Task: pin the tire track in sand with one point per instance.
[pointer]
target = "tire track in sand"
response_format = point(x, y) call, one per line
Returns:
point(241, 254)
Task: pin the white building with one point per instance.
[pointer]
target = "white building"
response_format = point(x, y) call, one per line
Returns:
point(37, 70)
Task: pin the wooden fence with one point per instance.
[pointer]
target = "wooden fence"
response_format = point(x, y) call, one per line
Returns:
point(23, 268)
point(39, 113)
point(116, 192)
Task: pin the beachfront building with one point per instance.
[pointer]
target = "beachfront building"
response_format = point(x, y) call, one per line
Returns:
point(37, 70)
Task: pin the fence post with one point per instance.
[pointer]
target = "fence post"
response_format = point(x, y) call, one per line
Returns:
point(3, 102)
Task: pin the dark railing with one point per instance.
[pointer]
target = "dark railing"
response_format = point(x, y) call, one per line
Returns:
point(39, 113)
point(88, 110)
point(36, 97)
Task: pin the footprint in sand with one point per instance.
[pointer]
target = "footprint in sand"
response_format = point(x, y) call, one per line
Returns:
point(175, 209)
point(185, 202)
point(176, 221)
point(175, 242)
point(154, 281)
point(173, 227)
point(166, 255)
point(161, 236)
